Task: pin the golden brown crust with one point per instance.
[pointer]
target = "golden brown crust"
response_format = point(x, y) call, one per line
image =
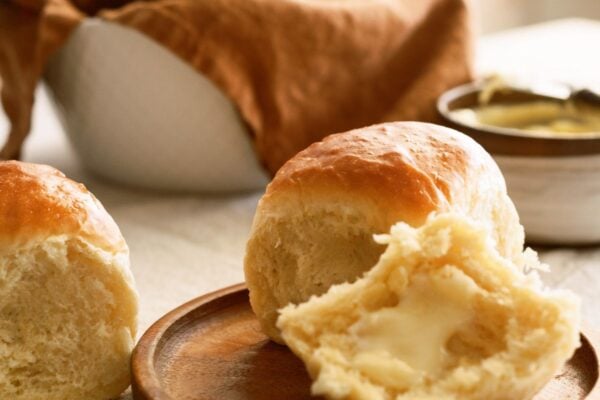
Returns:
point(409, 168)
point(38, 201)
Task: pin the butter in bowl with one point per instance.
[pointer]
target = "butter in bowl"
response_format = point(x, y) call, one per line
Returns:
point(547, 144)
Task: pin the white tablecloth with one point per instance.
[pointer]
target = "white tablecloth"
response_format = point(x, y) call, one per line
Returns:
point(185, 245)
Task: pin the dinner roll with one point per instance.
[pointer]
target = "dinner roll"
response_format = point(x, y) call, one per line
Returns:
point(314, 225)
point(441, 316)
point(68, 306)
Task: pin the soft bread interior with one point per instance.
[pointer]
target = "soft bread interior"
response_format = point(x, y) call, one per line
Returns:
point(441, 316)
point(67, 322)
point(324, 243)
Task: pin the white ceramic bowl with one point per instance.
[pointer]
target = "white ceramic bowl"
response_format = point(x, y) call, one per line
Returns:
point(139, 115)
point(558, 198)
point(554, 182)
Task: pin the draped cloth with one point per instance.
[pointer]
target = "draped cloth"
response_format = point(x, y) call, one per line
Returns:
point(297, 70)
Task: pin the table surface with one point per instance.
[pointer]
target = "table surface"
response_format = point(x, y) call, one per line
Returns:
point(185, 245)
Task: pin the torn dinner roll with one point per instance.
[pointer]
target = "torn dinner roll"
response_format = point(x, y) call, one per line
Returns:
point(441, 316)
point(313, 227)
point(68, 305)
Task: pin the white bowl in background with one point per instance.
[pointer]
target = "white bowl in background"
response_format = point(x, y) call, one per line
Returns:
point(553, 181)
point(558, 198)
point(139, 115)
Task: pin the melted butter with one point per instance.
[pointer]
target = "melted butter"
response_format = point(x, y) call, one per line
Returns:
point(408, 340)
point(538, 118)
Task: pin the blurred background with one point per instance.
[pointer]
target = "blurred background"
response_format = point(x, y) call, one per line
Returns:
point(496, 15)
point(490, 17)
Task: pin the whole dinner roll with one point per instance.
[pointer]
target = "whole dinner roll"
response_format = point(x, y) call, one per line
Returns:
point(68, 306)
point(314, 225)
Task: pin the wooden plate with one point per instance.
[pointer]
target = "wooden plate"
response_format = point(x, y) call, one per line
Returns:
point(212, 348)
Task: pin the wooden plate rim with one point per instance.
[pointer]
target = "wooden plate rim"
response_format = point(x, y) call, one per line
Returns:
point(143, 357)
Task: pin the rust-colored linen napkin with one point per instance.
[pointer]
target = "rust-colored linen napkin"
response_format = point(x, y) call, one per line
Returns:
point(297, 70)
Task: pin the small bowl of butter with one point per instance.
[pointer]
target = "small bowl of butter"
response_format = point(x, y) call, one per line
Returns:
point(546, 140)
